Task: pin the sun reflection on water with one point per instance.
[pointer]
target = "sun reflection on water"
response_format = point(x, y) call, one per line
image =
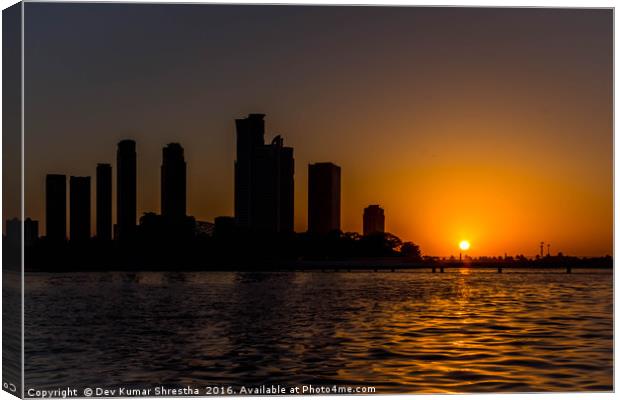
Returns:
point(461, 331)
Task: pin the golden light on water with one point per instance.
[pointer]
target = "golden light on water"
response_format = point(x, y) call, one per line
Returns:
point(464, 245)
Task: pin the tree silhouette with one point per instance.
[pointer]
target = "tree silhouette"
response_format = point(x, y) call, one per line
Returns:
point(411, 250)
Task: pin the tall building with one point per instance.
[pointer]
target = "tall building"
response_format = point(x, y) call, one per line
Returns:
point(126, 189)
point(264, 179)
point(31, 231)
point(14, 232)
point(173, 182)
point(287, 188)
point(250, 136)
point(323, 198)
point(79, 208)
point(374, 219)
point(104, 202)
point(56, 207)
point(224, 227)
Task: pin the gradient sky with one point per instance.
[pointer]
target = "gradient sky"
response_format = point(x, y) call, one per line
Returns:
point(492, 125)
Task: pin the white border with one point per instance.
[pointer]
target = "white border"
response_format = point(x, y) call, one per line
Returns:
point(452, 3)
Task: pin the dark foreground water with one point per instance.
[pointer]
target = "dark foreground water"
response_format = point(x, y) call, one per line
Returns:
point(461, 331)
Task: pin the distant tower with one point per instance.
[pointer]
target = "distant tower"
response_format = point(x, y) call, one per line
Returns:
point(79, 208)
point(31, 231)
point(264, 179)
point(104, 202)
point(14, 232)
point(286, 183)
point(173, 182)
point(56, 207)
point(126, 188)
point(323, 197)
point(250, 136)
point(374, 220)
point(542, 244)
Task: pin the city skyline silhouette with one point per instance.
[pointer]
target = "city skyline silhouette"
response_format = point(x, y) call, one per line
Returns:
point(127, 148)
point(500, 135)
point(264, 186)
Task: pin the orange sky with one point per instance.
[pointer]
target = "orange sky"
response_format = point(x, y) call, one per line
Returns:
point(491, 125)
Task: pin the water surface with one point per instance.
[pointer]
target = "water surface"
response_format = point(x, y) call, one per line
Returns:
point(460, 331)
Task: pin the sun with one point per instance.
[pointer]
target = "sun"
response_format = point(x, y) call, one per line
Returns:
point(464, 245)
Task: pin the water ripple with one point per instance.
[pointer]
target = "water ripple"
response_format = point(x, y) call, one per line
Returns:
point(416, 332)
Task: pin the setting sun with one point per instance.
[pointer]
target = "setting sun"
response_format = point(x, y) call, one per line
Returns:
point(464, 245)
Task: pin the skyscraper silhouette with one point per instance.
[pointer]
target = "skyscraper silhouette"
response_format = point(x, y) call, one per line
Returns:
point(56, 207)
point(374, 220)
point(173, 182)
point(264, 179)
point(31, 231)
point(126, 189)
point(104, 202)
point(287, 187)
point(250, 136)
point(323, 197)
point(79, 208)
point(14, 232)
